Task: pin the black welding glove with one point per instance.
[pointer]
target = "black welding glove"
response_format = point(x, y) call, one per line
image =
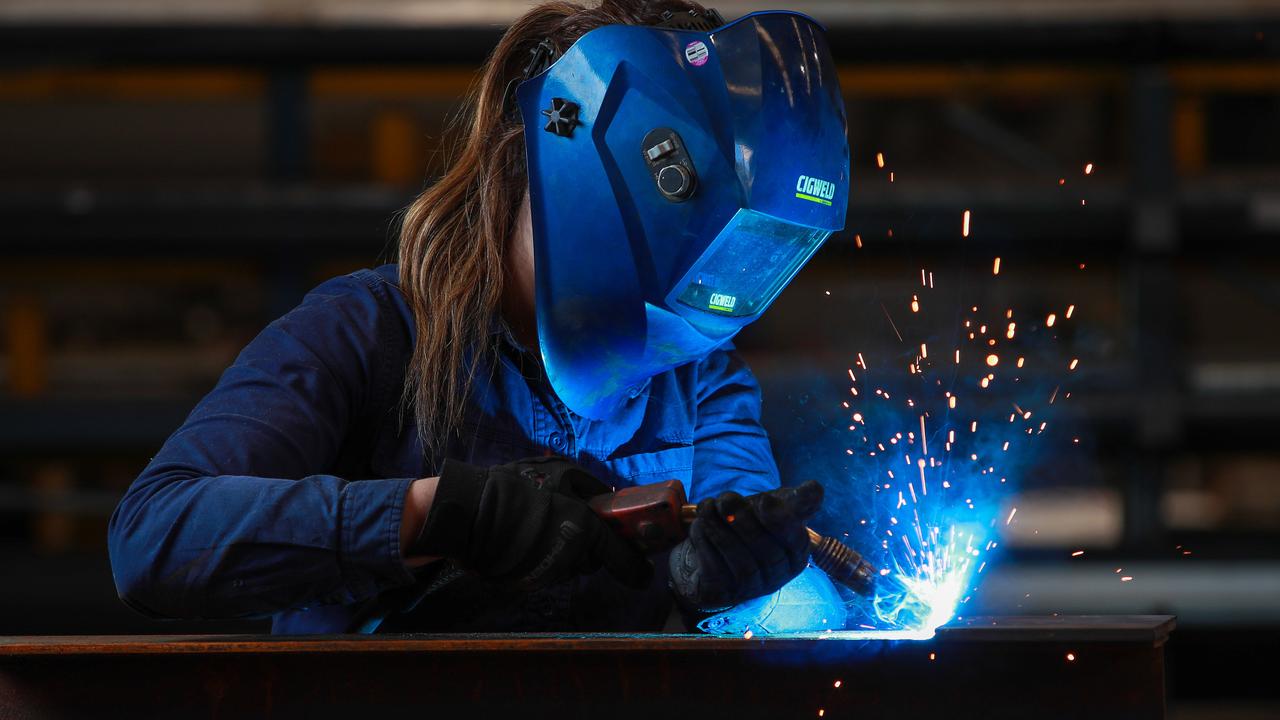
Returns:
point(525, 525)
point(741, 548)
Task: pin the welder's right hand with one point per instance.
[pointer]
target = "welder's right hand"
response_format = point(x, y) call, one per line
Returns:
point(742, 548)
point(525, 525)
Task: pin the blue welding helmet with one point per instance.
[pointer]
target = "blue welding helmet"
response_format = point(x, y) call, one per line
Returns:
point(678, 180)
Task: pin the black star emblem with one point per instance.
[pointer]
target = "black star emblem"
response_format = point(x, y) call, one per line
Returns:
point(562, 117)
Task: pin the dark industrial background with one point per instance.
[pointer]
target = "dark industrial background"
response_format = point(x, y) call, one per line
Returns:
point(174, 175)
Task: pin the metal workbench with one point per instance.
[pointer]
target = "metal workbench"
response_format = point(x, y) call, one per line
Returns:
point(1006, 667)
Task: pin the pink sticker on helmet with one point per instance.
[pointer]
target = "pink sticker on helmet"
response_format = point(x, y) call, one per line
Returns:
point(696, 53)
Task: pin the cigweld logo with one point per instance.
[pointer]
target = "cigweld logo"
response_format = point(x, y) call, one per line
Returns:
point(815, 189)
point(722, 302)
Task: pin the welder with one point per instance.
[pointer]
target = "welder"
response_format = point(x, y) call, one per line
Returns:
point(414, 447)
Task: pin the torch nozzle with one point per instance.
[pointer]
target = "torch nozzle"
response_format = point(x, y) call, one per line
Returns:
point(842, 563)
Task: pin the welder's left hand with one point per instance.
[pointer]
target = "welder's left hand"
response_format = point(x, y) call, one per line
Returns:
point(741, 548)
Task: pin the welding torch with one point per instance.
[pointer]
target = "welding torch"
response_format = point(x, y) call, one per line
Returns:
point(656, 517)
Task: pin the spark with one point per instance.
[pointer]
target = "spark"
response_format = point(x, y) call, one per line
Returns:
point(1077, 553)
point(837, 684)
point(915, 304)
point(995, 267)
point(857, 241)
point(1011, 514)
point(1012, 328)
point(1088, 169)
point(1072, 308)
point(1074, 363)
point(891, 323)
point(1126, 578)
point(933, 656)
point(965, 230)
point(1071, 657)
point(1049, 321)
point(879, 160)
point(993, 360)
point(747, 635)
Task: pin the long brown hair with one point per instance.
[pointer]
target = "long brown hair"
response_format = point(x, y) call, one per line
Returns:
point(454, 235)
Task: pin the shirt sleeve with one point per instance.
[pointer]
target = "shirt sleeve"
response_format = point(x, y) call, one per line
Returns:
point(731, 449)
point(236, 516)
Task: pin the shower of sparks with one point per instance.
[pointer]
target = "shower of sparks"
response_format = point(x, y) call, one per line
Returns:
point(934, 530)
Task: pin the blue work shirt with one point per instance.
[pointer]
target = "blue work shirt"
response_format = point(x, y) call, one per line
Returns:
point(281, 494)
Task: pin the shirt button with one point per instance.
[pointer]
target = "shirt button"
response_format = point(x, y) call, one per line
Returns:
point(557, 441)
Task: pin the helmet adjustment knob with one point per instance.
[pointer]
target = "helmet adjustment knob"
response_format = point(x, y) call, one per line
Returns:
point(674, 182)
point(669, 164)
point(562, 117)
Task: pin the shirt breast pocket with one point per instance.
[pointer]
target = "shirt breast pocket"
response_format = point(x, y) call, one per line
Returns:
point(674, 463)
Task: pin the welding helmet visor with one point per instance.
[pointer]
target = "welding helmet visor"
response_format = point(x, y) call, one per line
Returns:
point(678, 180)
